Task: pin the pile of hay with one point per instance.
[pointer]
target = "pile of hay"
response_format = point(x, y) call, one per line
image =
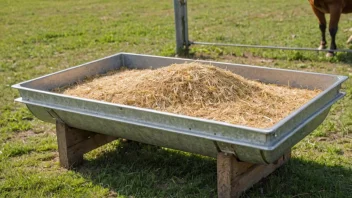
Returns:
point(196, 90)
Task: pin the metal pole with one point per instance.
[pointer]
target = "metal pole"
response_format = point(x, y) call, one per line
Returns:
point(181, 26)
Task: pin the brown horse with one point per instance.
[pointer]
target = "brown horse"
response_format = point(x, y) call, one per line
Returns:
point(334, 8)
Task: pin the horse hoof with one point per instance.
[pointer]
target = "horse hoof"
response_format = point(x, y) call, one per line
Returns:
point(330, 54)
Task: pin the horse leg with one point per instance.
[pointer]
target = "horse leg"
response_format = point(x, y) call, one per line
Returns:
point(335, 13)
point(322, 27)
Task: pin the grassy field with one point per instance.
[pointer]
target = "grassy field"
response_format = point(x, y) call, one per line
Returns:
point(38, 37)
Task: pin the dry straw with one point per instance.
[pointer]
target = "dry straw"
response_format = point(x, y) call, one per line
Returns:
point(196, 90)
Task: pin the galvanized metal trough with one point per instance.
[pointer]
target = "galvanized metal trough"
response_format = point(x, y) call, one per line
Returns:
point(205, 137)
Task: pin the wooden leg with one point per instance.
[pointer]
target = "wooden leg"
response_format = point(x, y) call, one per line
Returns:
point(235, 177)
point(73, 143)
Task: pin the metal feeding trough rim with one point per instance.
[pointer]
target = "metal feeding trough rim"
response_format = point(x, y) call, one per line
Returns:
point(266, 131)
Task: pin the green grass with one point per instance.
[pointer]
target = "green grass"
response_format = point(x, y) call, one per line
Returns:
point(39, 37)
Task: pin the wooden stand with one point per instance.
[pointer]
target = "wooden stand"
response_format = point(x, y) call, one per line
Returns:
point(235, 177)
point(73, 143)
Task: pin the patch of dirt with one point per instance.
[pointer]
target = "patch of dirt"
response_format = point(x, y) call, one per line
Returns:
point(113, 194)
point(24, 135)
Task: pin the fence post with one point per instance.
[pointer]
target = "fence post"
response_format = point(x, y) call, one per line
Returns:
point(181, 27)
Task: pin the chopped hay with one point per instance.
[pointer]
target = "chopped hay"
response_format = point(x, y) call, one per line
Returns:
point(196, 90)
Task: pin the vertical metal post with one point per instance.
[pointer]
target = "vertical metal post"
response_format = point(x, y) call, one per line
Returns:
point(181, 26)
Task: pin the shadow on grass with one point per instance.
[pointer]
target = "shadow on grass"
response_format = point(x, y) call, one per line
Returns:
point(138, 170)
point(345, 58)
point(198, 56)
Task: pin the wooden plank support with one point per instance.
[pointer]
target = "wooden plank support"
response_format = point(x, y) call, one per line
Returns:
point(235, 177)
point(73, 143)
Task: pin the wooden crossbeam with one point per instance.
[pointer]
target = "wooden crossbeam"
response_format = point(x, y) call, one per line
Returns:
point(235, 177)
point(73, 143)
